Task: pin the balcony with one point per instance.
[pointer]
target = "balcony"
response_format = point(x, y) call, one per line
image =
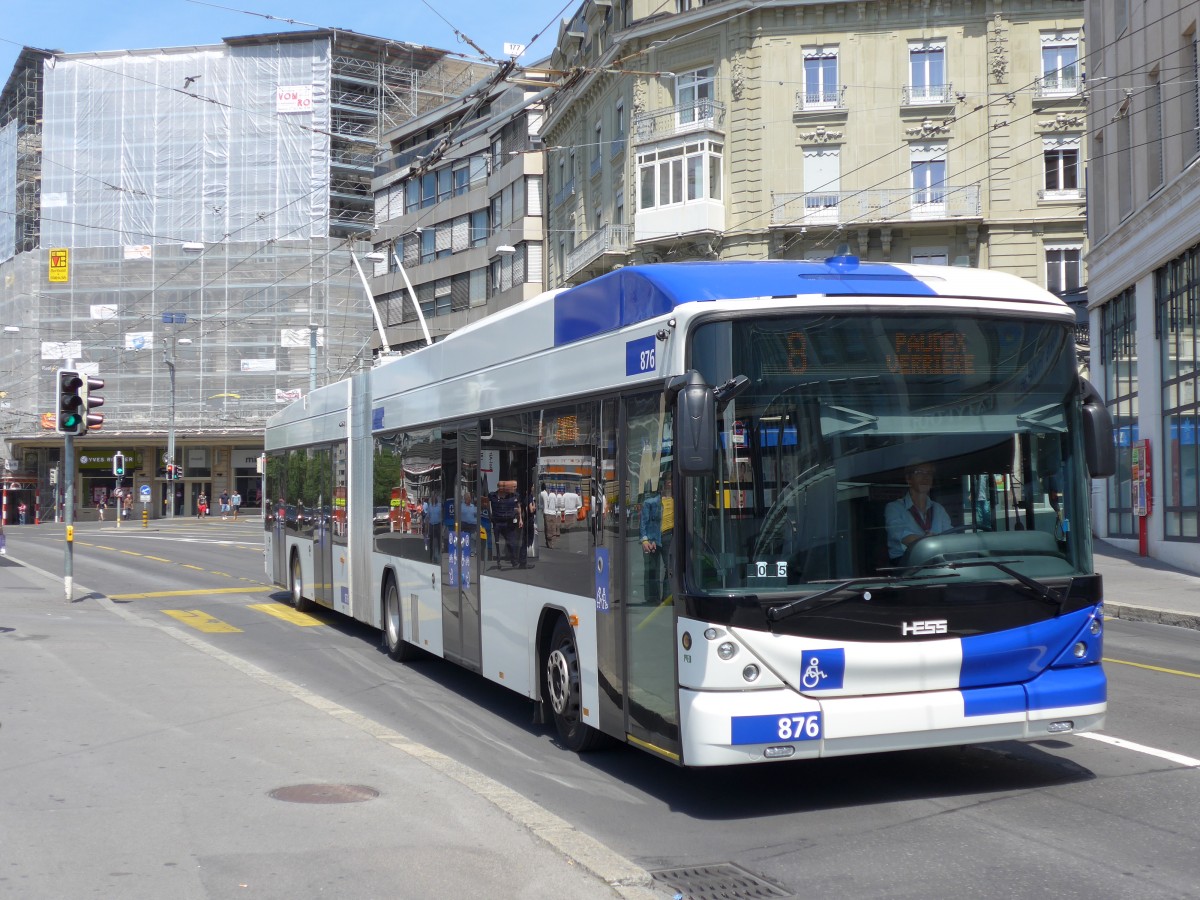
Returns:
point(927, 95)
point(859, 207)
point(704, 115)
point(560, 196)
point(614, 239)
point(821, 100)
point(1057, 86)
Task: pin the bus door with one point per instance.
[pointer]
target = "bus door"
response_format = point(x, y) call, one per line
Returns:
point(461, 563)
point(319, 526)
point(648, 510)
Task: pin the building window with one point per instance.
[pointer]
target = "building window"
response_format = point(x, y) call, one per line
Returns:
point(1061, 162)
point(428, 253)
point(619, 208)
point(1118, 350)
point(930, 256)
point(1124, 126)
point(1060, 63)
point(694, 96)
point(1190, 87)
point(1155, 164)
point(618, 143)
point(1177, 301)
point(822, 184)
point(682, 174)
point(1063, 265)
point(820, 78)
point(479, 227)
point(928, 166)
point(462, 178)
point(927, 72)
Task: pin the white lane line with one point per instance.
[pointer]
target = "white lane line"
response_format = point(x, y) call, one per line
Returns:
point(1142, 748)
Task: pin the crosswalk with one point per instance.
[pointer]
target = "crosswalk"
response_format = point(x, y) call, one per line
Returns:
point(205, 622)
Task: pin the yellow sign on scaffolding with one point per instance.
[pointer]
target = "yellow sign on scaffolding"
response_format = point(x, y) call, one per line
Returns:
point(59, 262)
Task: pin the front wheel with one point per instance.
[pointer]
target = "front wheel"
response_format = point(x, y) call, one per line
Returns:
point(393, 626)
point(564, 692)
point(296, 582)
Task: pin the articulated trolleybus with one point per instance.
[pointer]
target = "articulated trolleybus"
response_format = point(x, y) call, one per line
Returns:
point(728, 512)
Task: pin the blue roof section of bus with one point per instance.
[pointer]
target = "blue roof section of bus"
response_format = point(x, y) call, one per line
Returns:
point(638, 293)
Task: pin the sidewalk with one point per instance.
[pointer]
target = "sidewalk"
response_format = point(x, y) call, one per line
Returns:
point(1142, 589)
point(135, 767)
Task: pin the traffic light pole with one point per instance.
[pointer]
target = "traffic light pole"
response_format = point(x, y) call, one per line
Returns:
point(168, 358)
point(69, 513)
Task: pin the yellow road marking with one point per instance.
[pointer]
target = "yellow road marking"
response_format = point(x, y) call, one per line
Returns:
point(194, 592)
point(189, 566)
point(160, 559)
point(130, 552)
point(201, 621)
point(288, 615)
point(213, 572)
point(1152, 668)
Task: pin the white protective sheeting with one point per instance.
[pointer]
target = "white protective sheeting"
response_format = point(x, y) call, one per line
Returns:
point(185, 145)
point(8, 191)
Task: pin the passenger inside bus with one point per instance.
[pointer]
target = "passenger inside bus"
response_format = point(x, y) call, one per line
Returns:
point(915, 515)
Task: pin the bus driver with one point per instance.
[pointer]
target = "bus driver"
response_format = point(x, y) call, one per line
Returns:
point(915, 515)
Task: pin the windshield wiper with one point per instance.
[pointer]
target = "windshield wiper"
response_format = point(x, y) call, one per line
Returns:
point(813, 601)
point(1037, 588)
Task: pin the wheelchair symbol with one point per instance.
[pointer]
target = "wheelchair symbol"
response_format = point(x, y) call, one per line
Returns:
point(813, 674)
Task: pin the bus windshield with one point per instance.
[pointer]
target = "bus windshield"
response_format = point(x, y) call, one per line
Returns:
point(898, 446)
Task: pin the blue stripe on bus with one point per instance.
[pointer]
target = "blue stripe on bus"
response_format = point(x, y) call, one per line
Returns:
point(1017, 654)
point(1053, 689)
point(639, 293)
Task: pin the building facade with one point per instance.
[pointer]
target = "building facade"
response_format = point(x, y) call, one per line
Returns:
point(1144, 267)
point(938, 132)
point(460, 213)
point(181, 224)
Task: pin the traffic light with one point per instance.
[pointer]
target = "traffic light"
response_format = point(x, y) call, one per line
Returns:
point(71, 403)
point(90, 402)
point(119, 463)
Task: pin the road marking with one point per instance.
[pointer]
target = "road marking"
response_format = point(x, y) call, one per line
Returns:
point(287, 614)
point(1142, 748)
point(1124, 662)
point(190, 566)
point(193, 592)
point(201, 621)
point(130, 552)
point(160, 559)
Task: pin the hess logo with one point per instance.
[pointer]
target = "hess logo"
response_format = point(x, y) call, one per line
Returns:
point(927, 626)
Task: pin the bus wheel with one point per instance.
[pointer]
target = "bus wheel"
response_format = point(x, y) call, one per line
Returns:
point(393, 626)
point(564, 692)
point(296, 582)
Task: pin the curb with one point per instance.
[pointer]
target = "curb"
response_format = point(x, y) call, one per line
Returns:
point(1174, 617)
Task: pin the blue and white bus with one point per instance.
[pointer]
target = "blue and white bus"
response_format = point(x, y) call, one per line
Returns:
point(816, 508)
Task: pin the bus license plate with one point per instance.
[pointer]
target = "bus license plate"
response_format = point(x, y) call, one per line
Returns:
point(774, 729)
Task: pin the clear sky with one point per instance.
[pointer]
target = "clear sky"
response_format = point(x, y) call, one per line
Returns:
point(78, 26)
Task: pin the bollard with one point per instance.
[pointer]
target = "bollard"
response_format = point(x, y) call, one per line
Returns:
point(145, 516)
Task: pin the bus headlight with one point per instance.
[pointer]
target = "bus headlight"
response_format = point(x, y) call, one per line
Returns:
point(727, 650)
point(1080, 649)
point(1095, 627)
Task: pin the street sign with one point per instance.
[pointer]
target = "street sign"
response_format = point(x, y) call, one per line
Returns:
point(144, 493)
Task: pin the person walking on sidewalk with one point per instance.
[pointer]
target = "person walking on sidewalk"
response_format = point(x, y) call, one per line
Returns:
point(202, 505)
point(236, 503)
point(224, 500)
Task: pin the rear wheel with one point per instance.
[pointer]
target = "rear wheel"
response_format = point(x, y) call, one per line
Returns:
point(564, 692)
point(296, 582)
point(393, 626)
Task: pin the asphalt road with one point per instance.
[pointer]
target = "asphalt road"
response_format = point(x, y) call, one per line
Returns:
point(1111, 815)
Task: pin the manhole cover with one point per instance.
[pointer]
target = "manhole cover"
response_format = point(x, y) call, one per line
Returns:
point(724, 881)
point(324, 793)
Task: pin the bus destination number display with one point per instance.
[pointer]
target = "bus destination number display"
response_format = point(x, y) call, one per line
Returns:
point(773, 729)
point(912, 353)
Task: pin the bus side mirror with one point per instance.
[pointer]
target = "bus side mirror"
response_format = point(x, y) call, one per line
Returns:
point(695, 427)
point(1098, 447)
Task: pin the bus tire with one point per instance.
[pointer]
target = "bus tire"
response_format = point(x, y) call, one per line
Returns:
point(296, 584)
point(393, 625)
point(564, 691)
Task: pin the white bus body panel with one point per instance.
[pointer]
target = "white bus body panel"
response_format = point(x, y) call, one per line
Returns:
point(422, 581)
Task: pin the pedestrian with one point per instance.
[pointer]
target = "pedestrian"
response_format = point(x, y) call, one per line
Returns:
point(128, 504)
point(202, 505)
point(236, 502)
point(549, 504)
point(3, 540)
point(21, 514)
point(100, 508)
point(224, 501)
